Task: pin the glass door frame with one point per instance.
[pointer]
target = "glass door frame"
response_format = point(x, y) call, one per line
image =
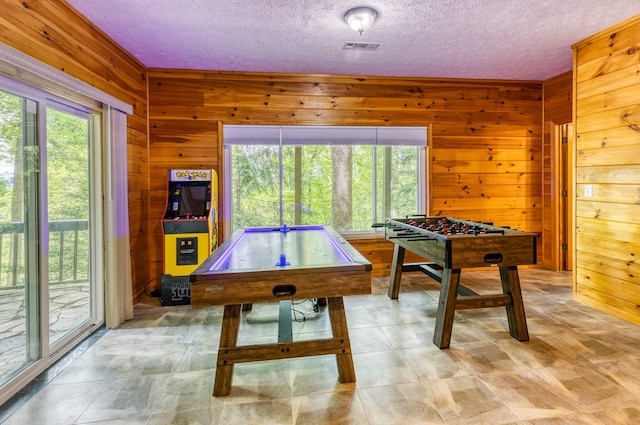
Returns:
point(48, 355)
point(96, 270)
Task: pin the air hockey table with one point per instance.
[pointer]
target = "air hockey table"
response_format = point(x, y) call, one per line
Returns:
point(268, 264)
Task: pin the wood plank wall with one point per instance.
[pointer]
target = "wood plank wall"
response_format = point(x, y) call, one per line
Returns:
point(607, 125)
point(485, 162)
point(54, 33)
point(557, 109)
point(558, 98)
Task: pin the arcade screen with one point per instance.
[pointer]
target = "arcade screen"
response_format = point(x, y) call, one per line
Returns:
point(193, 201)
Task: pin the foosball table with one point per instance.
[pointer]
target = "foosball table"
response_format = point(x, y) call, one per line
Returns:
point(451, 245)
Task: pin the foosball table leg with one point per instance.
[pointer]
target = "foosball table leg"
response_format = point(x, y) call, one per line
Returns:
point(446, 307)
point(396, 271)
point(515, 312)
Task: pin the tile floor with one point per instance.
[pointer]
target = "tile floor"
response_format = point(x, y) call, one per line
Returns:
point(581, 366)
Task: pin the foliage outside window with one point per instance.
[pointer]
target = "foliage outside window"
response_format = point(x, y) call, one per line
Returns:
point(348, 180)
point(67, 185)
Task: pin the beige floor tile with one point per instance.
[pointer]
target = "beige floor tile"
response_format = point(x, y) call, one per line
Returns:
point(267, 412)
point(580, 366)
point(382, 368)
point(399, 405)
point(588, 388)
point(57, 404)
point(428, 362)
point(467, 400)
point(627, 416)
point(339, 408)
point(529, 396)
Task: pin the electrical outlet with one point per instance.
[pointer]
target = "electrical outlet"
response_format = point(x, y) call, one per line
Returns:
point(588, 191)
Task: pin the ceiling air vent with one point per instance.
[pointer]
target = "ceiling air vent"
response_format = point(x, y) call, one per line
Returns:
point(354, 45)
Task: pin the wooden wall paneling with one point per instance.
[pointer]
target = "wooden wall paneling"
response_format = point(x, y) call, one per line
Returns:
point(484, 178)
point(486, 190)
point(223, 222)
point(602, 285)
point(488, 142)
point(616, 98)
point(607, 126)
point(477, 129)
point(610, 277)
point(630, 173)
point(608, 51)
point(628, 251)
point(557, 110)
point(568, 152)
point(428, 173)
point(558, 98)
point(54, 33)
point(453, 167)
point(610, 118)
point(550, 236)
point(379, 252)
point(607, 138)
point(607, 155)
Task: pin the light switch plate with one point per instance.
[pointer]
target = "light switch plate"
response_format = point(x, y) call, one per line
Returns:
point(588, 191)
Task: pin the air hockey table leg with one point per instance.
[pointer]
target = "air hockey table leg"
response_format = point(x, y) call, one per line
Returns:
point(228, 339)
point(344, 360)
point(446, 307)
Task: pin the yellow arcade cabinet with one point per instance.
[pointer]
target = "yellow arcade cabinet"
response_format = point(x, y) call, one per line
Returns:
point(189, 225)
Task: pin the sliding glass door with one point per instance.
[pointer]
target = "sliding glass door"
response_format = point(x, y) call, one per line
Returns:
point(69, 217)
point(50, 199)
point(19, 229)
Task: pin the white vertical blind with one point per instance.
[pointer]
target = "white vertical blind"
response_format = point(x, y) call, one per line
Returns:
point(324, 135)
point(118, 285)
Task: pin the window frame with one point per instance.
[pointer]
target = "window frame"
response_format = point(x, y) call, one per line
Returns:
point(309, 135)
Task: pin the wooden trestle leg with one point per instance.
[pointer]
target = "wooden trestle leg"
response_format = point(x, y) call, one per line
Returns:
point(396, 271)
point(346, 371)
point(229, 353)
point(228, 339)
point(446, 307)
point(515, 311)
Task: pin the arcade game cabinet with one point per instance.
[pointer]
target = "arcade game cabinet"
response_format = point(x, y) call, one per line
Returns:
point(189, 226)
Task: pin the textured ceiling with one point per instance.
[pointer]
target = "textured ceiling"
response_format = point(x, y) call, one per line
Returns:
point(496, 39)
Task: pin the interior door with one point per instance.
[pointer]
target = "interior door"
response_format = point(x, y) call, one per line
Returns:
point(557, 236)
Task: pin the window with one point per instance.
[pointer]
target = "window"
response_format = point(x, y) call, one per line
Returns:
point(346, 177)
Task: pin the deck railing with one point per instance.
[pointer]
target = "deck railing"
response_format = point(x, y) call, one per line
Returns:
point(68, 253)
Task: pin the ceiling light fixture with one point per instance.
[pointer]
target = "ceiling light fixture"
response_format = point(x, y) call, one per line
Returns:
point(360, 19)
